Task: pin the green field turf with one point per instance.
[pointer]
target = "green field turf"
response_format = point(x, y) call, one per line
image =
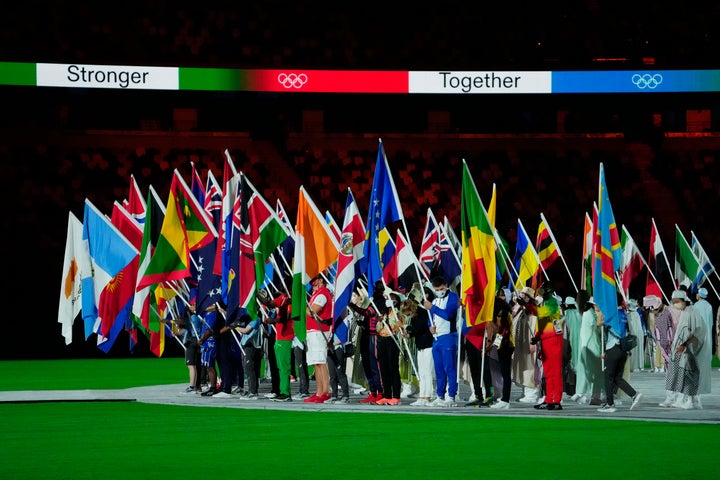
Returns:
point(108, 440)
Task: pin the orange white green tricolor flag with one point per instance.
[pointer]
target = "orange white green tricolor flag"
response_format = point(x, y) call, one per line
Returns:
point(315, 250)
point(478, 253)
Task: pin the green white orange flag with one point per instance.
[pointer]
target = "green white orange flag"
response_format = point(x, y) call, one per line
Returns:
point(478, 253)
point(315, 249)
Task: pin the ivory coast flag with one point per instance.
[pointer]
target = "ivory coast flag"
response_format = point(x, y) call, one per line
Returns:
point(316, 248)
point(478, 253)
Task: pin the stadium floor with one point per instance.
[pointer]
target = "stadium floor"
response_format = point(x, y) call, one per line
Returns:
point(651, 385)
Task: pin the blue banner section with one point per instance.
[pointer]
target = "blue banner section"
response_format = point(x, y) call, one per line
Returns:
point(636, 81)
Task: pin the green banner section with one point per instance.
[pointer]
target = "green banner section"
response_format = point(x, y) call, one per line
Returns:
point(216, 79)
point(12, 73)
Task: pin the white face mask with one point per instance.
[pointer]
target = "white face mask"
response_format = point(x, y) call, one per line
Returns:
point(441, 293)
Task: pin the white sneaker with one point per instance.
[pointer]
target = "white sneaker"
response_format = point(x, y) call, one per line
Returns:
point(500, 405)
point(696, 403)
point(222, 395)
point(270, 395)
point(669, 399)
point(636, 399)
point(438, 402)
point(607, 409)
point(532, 400)
point(685, 404)
point(420, 402)
point(450, 402)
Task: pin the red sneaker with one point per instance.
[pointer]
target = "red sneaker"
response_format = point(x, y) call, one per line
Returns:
point(312, 399)
point(323, 397)
point(369, 399)
point(381, 401)
point(393, 401)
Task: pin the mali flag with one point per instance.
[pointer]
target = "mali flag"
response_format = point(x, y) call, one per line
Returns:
point(478, 254)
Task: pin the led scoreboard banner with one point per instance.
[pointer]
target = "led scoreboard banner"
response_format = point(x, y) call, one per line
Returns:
point(125, 77)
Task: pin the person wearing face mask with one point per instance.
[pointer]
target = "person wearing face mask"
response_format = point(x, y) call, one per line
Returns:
point(683, 374)
point(443, 312)
point(525, 372)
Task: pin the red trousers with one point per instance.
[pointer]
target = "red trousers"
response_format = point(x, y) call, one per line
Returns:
point(552, 346)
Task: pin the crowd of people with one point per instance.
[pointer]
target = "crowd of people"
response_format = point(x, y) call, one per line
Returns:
point(414, 347)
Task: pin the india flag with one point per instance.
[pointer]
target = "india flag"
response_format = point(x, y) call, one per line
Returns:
point(316, 248)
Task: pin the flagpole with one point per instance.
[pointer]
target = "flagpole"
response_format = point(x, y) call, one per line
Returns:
point(557, 246)
point(646, 264)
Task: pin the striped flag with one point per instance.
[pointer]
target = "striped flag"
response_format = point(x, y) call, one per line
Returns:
point(350, 255)
point(526, 260)
point(478, 254)
point(315, 250)
point(547, 249)
point(658, 265)
point(706, 266)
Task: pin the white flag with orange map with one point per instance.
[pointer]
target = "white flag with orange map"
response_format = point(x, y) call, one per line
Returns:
point(70, 288)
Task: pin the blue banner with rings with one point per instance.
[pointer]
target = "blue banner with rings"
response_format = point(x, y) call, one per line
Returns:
point(636, 81)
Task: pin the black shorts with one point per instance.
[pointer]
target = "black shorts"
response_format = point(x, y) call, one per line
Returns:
point(192, 353)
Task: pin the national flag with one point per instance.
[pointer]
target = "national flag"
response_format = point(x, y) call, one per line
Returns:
point(208, 283)
point(429, 254)
point(402, 270)
point(384, 209)
point(185, 227)
point(449, 265)
point(108, 284)
point(632, 261)
point(144, 309)
point(196, 185)
point(658, 265)
point(501, 257)
point(229, 192)
point(350, 254)
point(315, 249)
point(587, 251)
point(71, 283)
point(335, 229)
point(608, 257)
point(127, 225)
point(547, 249)
point(687, 266)
point(706, 266)
point(526, 260)
point(260, 234)
point(478, 253)
point(132, 230)
point(450, 232)
point(387, 248)
point(135, 202)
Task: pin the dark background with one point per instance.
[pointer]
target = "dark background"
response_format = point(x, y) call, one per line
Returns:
point(59, 146)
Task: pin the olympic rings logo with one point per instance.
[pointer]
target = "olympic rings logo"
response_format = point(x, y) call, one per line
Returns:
point(647, 81)
point(292, 80)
